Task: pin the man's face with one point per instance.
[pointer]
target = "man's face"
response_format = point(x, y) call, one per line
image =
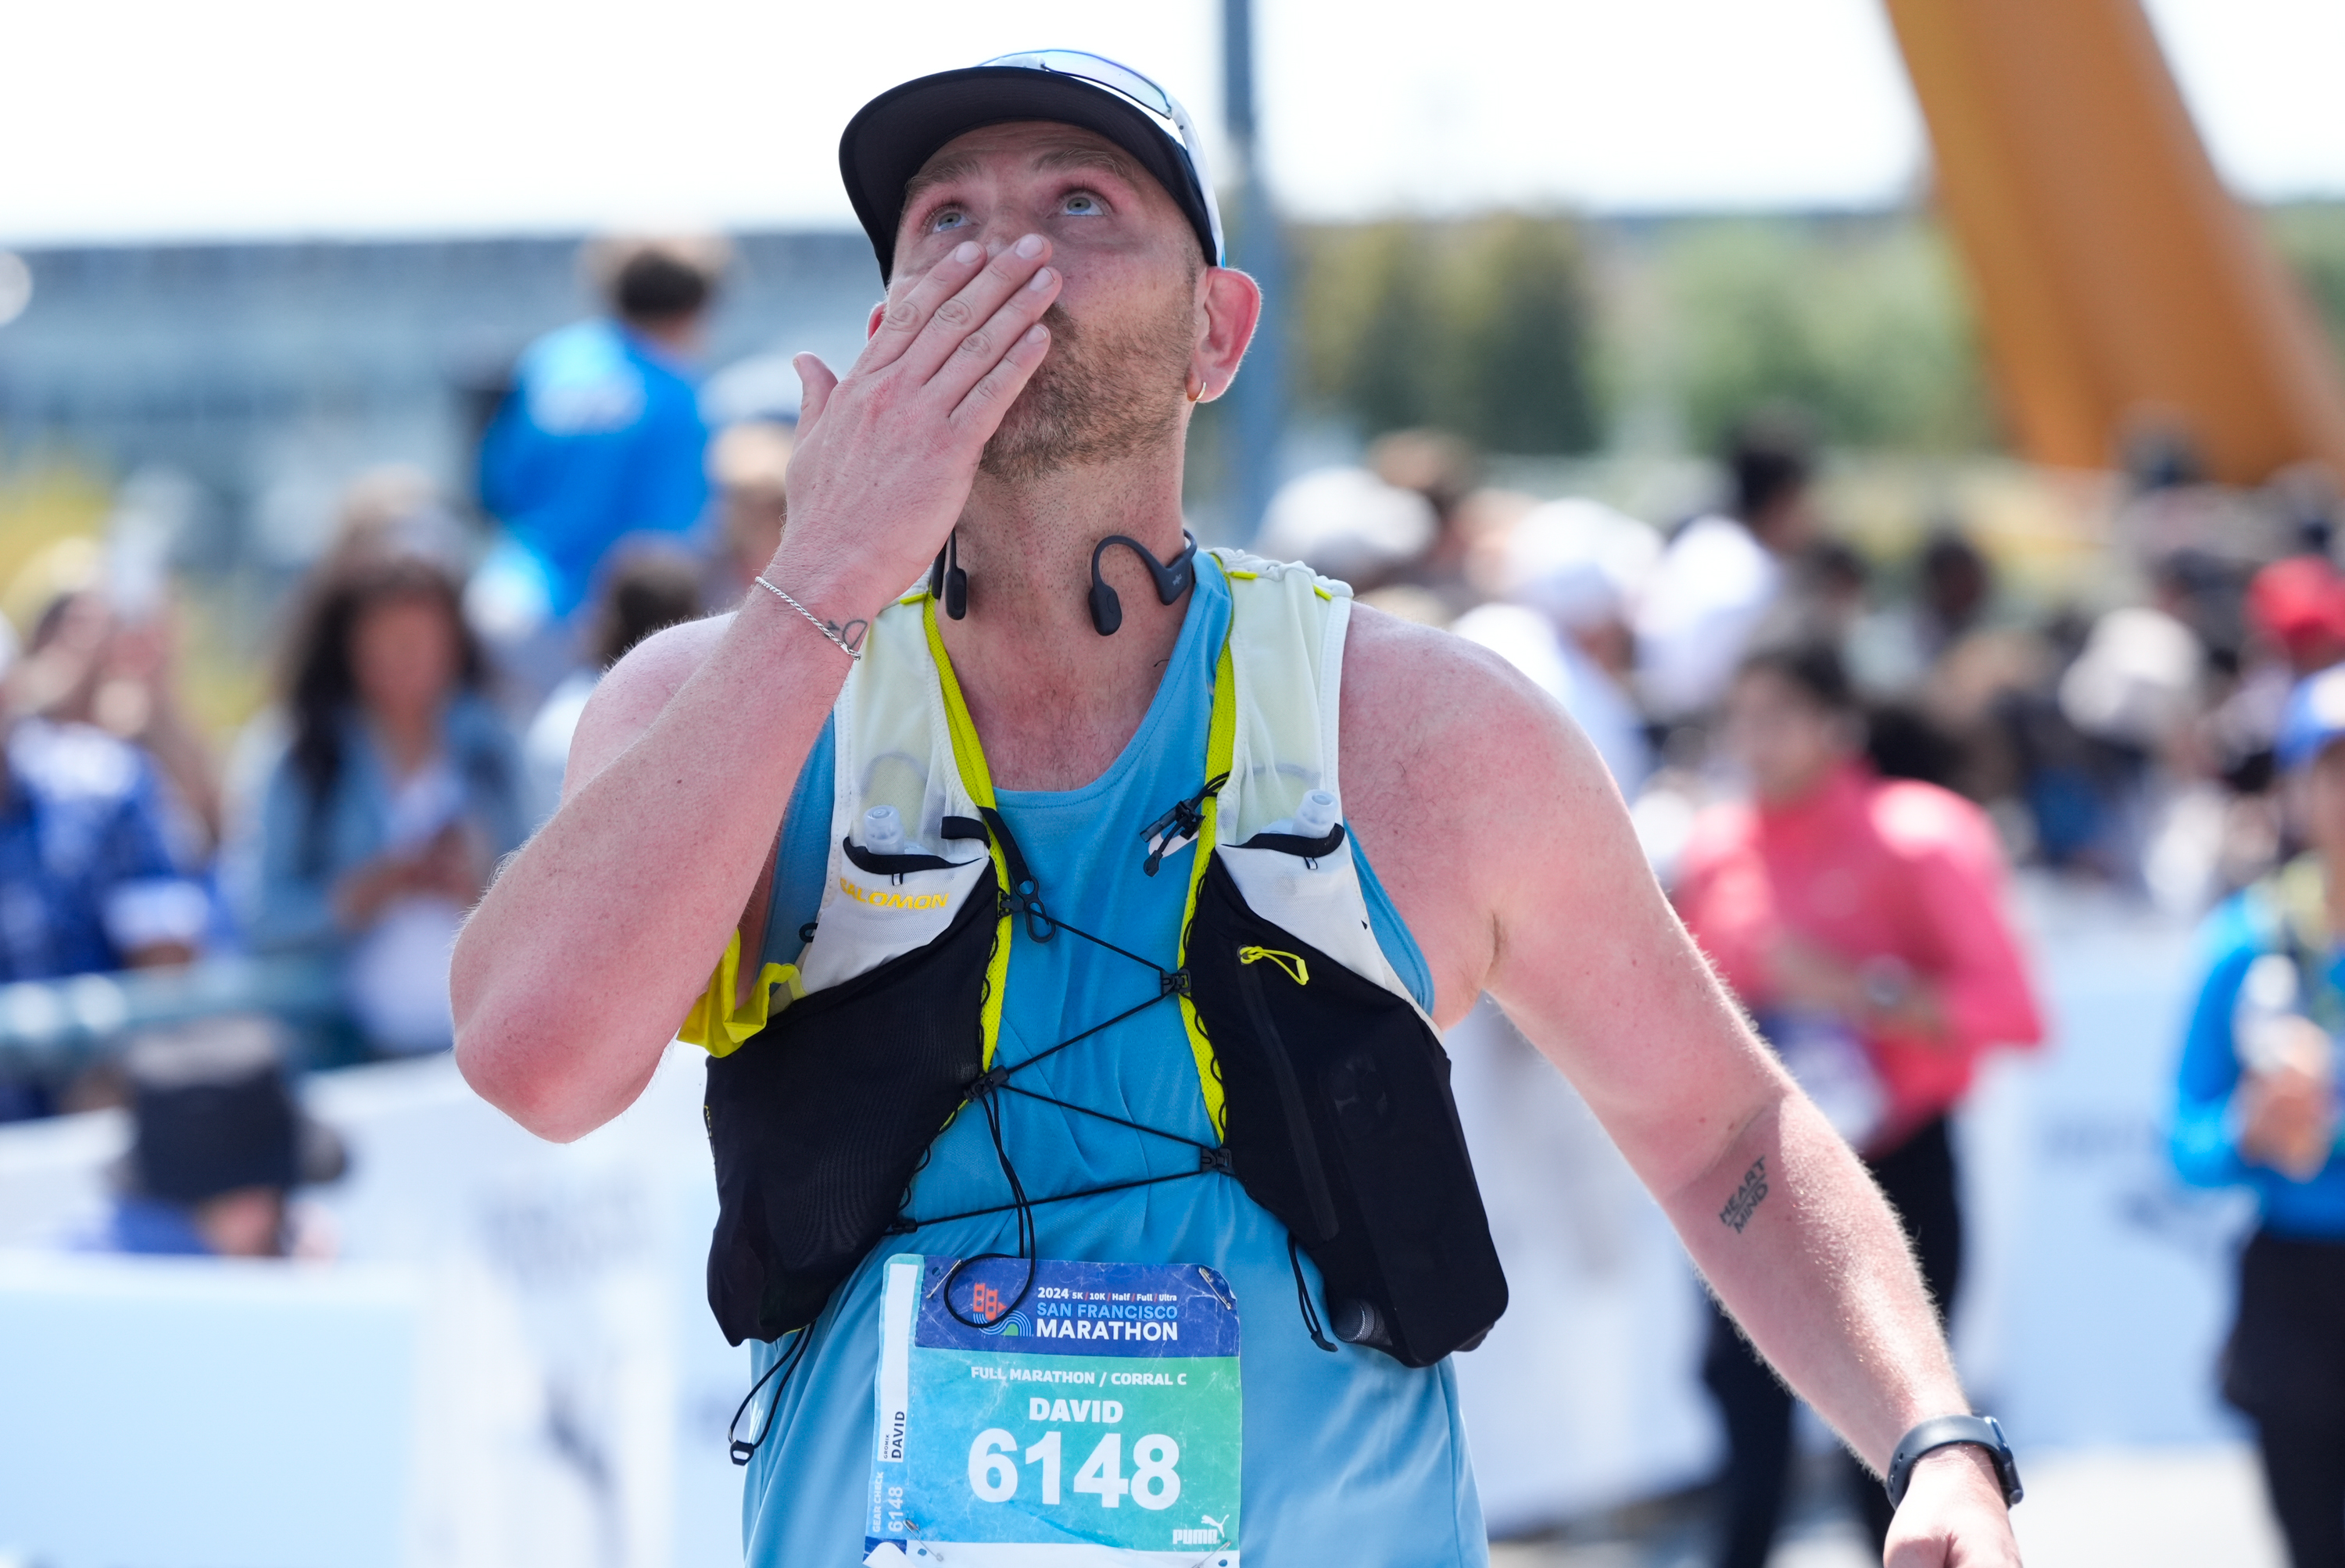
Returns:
point(1128, 319)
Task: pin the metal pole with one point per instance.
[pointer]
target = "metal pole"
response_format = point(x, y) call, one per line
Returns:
point(1257, 400)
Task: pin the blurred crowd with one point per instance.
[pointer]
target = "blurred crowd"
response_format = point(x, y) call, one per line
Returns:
point(1831, 763)
point(426, 684)
point(2124, 730)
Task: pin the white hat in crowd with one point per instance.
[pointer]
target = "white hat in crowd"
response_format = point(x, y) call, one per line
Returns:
point(1347, 523)
point(1576, 561)
point(2137, 681)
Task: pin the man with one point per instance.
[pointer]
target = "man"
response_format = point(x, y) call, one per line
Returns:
point(601, 438)
point(1055, 306)
point(1725, 573)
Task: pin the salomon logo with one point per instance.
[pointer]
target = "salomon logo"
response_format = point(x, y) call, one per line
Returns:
point(886, 900)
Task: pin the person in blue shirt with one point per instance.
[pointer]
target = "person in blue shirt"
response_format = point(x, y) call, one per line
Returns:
point(398, 788)
point(603, 435)
point(88, 881)
point(87, 878)
point(2256, 1105)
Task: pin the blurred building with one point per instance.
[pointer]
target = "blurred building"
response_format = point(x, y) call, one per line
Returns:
point(269, 373)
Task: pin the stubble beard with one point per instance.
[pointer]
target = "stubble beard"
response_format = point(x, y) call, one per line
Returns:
point(1100, 395)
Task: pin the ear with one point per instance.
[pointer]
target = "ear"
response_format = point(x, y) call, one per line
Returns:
point(1230, 304)
point(878, 314)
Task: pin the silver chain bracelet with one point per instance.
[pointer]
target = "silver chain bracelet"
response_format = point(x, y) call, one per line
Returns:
point(834, 632)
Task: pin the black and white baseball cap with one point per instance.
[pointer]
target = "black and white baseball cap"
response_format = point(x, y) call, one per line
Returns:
point(892, 135)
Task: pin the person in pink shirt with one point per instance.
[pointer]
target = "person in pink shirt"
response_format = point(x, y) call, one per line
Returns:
point(1861, 920)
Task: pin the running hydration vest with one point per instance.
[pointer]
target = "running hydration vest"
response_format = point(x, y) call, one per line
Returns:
point(1322, 1079)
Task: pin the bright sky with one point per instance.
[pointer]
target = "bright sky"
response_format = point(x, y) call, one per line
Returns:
point(159, 118)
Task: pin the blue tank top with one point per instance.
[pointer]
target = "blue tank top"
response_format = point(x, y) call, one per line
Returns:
point(1348, 1455)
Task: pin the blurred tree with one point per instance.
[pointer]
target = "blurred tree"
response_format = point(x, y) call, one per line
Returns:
point(2311, 237)
point(1392, 368)
point(1520, 321)
point(1478, 327)
point(1861, 323)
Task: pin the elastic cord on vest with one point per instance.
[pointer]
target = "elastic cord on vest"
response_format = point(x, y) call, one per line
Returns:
point(1041, 925)
point(1026, 1252)
point(1025, 899)
point(785, 1363)
point(1302, 1296)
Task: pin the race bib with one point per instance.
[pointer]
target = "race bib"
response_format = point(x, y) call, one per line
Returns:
point(1096, 1426)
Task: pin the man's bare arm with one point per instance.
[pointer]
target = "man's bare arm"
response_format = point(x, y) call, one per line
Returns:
point(586, 954)
point(1512, 857)
point(573, 972)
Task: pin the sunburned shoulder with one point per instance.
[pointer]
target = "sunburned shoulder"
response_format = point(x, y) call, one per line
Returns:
point(625, 702)
point(1454, 764)
point(660, 663)
point(1414, 695)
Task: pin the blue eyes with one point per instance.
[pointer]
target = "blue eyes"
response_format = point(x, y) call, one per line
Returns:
point(1074, 204)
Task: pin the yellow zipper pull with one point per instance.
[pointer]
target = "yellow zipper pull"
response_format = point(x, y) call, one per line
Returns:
point(1296, 970)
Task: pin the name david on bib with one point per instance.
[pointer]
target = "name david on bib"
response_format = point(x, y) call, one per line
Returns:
point(1096, 1423)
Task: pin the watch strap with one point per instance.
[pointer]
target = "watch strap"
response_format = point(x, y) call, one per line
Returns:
point(1944, 1431)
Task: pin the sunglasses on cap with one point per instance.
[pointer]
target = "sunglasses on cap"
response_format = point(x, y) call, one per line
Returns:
point(1142, 94)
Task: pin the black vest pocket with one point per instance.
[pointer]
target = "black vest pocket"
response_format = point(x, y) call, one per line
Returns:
point(818, 1121)
point(1409, 1261)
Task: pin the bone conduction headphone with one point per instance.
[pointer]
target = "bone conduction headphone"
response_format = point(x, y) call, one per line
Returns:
point(949, 584)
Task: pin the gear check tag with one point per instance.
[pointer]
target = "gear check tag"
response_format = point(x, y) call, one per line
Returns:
point(1098, 1424)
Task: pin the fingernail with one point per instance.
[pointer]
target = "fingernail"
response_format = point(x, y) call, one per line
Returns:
point(1031, 246)
point(1037, 332)
point(1040, 280)
point(968, 250)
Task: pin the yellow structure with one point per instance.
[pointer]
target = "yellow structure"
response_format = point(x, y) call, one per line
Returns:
point(2119, 283)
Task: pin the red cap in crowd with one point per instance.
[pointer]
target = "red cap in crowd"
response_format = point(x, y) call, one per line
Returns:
point(2299, 604)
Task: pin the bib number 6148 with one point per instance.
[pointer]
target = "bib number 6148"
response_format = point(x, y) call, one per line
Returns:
point(1155, 1483)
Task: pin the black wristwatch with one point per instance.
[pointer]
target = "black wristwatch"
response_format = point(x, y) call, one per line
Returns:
point(1944, 1431)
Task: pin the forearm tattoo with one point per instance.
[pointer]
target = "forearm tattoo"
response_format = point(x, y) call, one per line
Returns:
point(1747, 1198)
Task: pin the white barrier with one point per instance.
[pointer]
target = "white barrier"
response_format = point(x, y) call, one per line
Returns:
point(568, 1388)
point(156, 1413)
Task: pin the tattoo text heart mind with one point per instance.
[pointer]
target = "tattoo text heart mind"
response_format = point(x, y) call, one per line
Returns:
point(1747, 1198)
